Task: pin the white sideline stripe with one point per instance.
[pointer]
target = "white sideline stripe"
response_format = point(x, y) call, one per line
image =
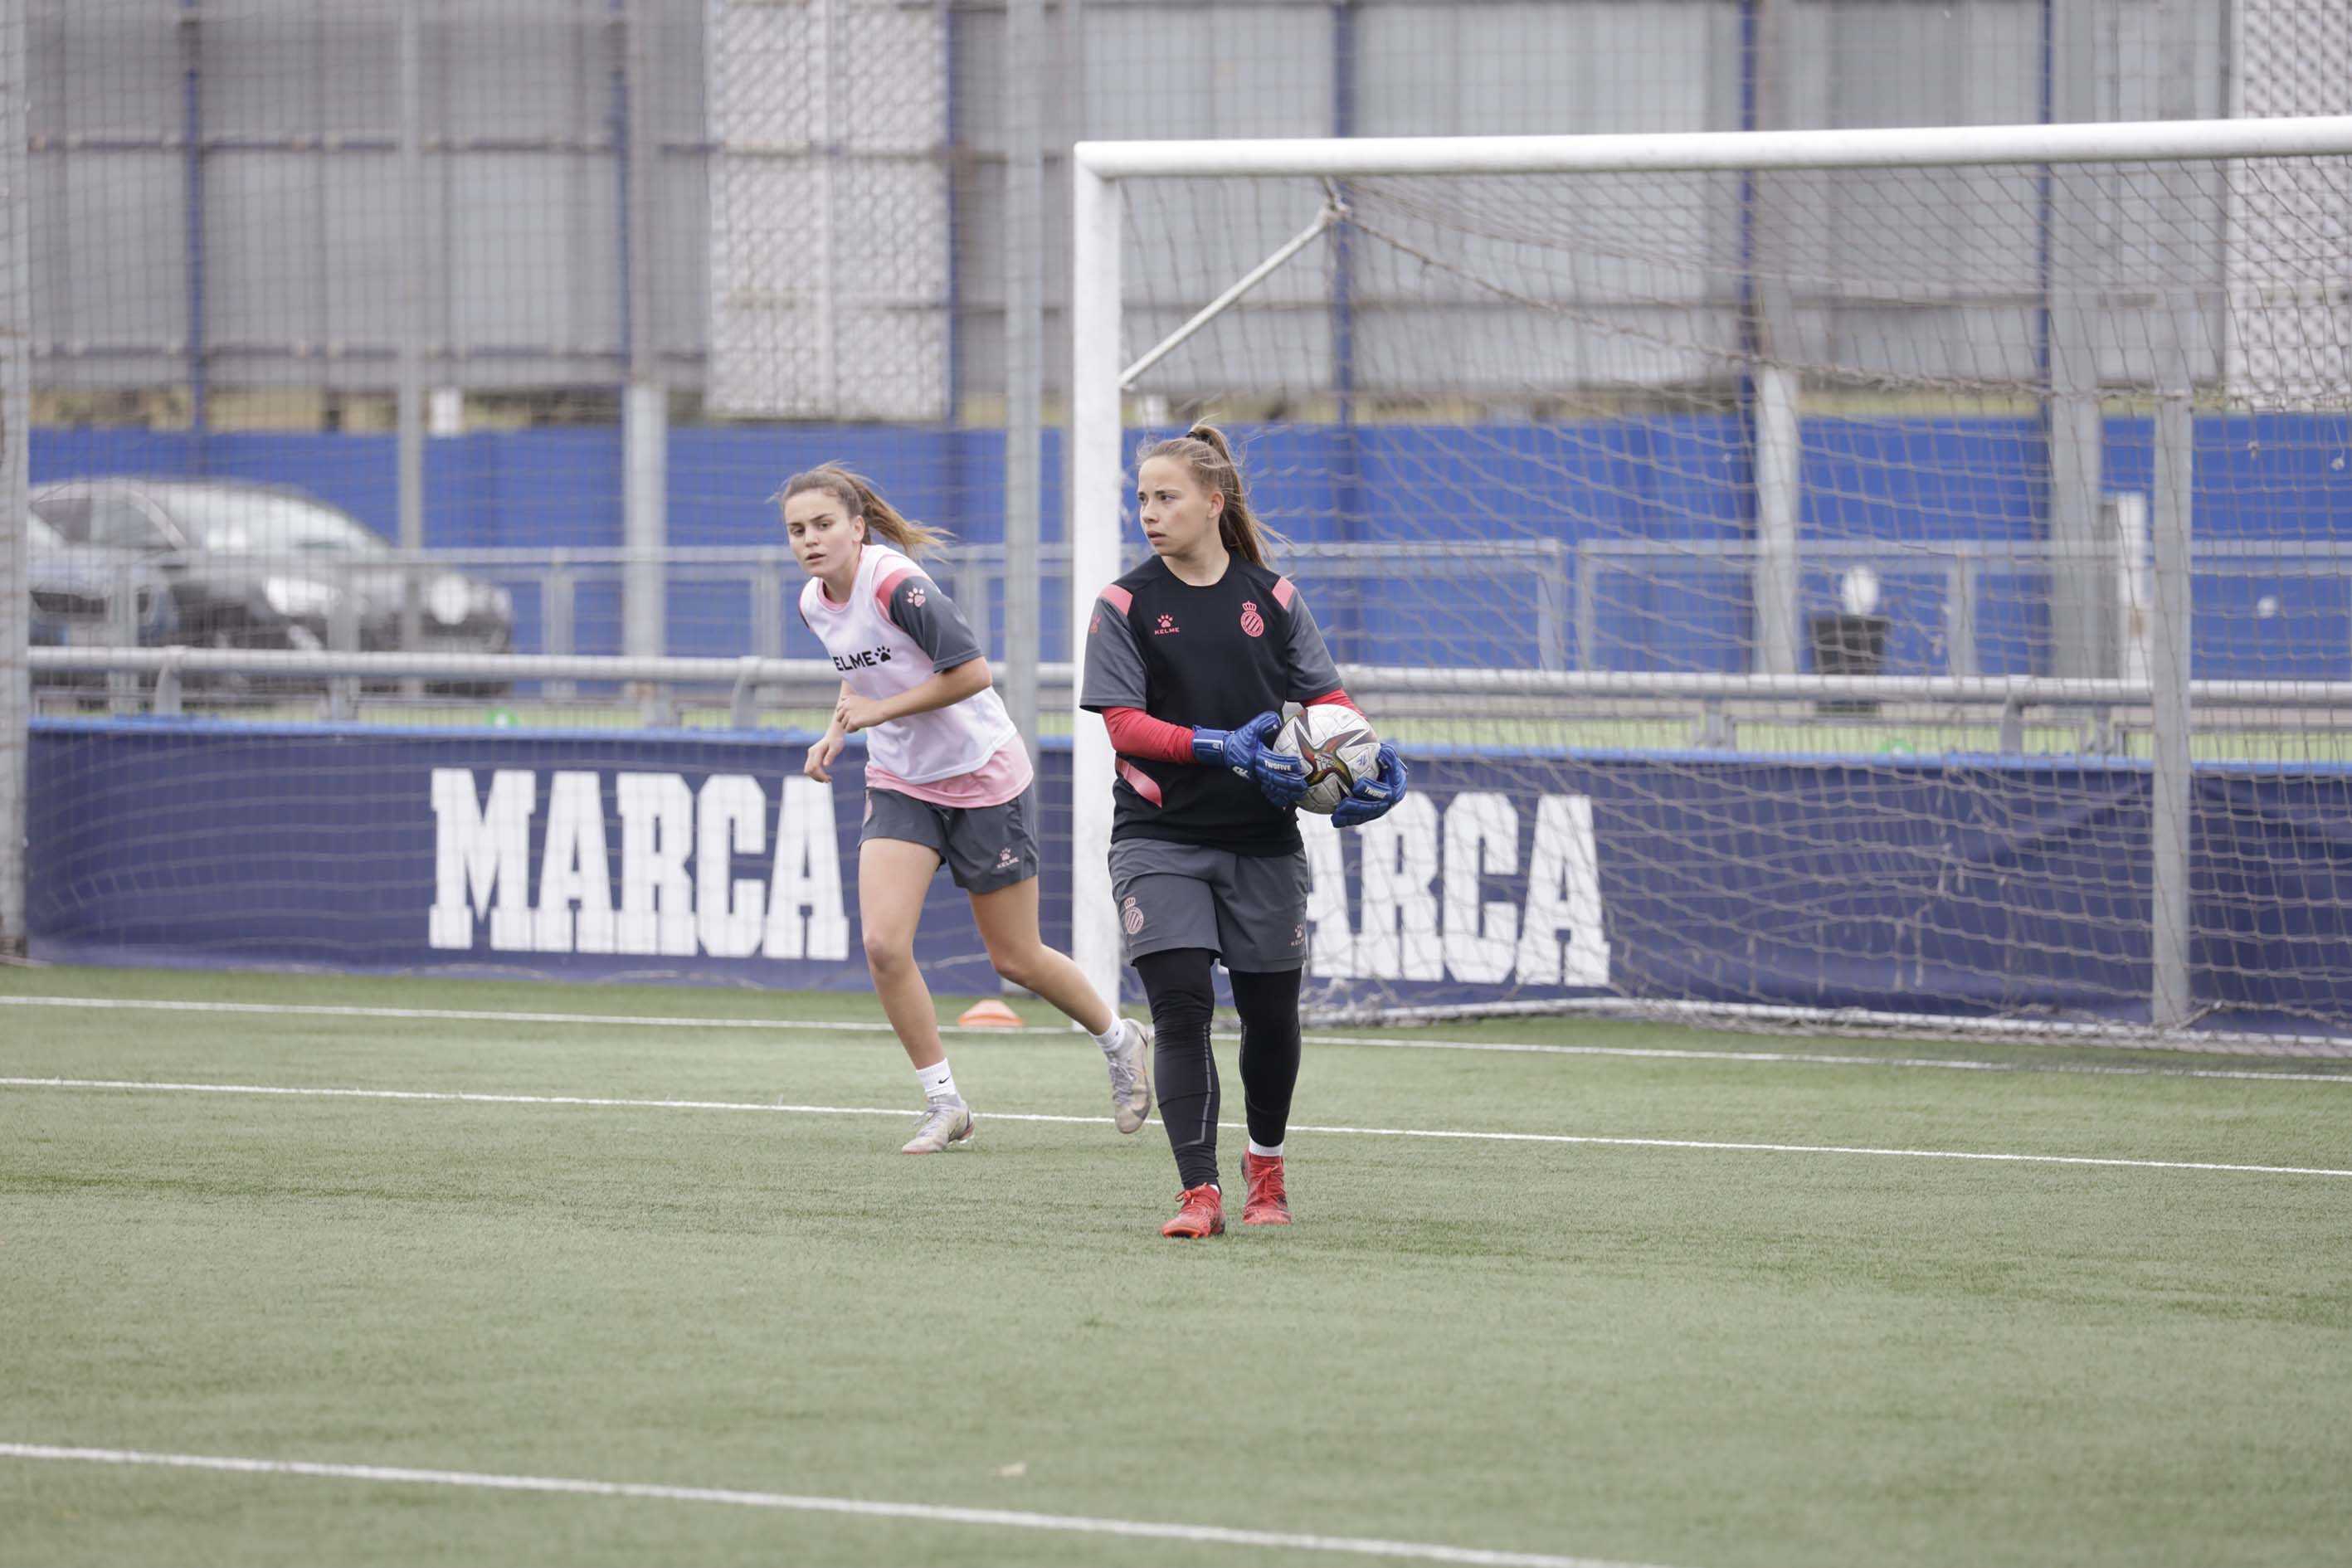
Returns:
point(1802, 1058)
point(472, 1098)
point(1855, 1021)
point(1817, 1059)
point(930, 1513)
point(493, 1016)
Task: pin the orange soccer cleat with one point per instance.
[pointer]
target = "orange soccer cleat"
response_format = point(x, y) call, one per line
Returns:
point(1265, 1203)
point(1202, 1213)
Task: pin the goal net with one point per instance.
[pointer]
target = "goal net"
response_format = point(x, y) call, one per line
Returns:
point(1897, 579)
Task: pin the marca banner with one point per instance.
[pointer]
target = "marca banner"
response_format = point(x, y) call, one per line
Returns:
point(1902, 884)
point(644, 857)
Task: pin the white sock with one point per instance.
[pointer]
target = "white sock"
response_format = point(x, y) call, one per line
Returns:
point(938, 1083)
point(1110, 1039)
point(1263, 1152)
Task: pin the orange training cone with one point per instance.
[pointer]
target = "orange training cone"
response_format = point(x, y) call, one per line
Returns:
point(988, 1015)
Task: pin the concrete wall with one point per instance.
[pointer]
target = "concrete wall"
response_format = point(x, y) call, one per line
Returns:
point(219, 187)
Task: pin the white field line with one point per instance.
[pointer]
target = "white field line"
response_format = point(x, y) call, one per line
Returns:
point(491, 1015)
point(1817, 1058)
point(928, 1513)
point(1857, 1023)
point(863, 1026)
point(1591, 1140)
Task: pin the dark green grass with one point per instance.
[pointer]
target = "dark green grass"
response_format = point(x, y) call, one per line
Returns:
point(1691, 1357)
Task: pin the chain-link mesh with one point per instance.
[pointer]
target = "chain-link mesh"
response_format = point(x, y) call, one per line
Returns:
point(1532, 423)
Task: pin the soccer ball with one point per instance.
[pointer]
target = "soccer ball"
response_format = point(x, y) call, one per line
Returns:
point(1339, 747)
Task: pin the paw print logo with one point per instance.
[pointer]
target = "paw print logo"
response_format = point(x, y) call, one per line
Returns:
point(1094, 626)
point(1167, 626)
point(915, 595)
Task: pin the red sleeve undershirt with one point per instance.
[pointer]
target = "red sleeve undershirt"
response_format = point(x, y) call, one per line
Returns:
point(1134, 733)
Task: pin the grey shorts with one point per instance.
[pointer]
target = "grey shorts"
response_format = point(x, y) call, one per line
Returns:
point(985, 848)
point(1250, 909)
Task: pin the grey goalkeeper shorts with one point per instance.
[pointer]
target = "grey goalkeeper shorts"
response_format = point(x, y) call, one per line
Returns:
point(1250, 909)
point(985, 848)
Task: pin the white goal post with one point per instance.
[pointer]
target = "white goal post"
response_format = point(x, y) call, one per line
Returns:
point(1105, 342)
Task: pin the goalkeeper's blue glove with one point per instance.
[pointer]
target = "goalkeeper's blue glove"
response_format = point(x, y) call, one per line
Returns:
point(1372, 797)
point(1281, 778)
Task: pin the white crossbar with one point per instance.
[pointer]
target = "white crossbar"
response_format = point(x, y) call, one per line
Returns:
point(1879, 148)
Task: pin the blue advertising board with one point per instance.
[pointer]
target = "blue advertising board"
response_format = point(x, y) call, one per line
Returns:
point(1957, 885)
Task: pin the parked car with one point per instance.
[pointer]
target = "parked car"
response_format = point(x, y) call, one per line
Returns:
point(259, 566)
point(76, 589)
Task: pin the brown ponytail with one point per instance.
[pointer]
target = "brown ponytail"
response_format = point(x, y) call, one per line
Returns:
point(858, 497)
point(1205, 451)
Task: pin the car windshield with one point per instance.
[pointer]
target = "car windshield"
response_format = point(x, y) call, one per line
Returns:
point(266, 523)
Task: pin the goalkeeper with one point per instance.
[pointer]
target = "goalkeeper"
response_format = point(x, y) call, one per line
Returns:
point(1188, 660)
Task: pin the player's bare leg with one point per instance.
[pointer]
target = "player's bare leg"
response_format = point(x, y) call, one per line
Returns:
point(1007, 919)
point(893, 875)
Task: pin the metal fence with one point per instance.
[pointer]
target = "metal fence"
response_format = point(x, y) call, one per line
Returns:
point(1576, 588)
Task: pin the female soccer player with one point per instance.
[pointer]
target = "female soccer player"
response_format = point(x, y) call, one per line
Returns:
point(947, 780)
point(1205, 858)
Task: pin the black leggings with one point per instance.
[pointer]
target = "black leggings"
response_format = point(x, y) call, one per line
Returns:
point(1185, 1070)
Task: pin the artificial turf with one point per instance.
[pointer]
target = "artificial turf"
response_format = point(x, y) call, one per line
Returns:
point(1685, 1356)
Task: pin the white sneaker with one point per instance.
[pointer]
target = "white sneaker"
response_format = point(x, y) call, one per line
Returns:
point(944, 1121)
point(1130, 1075)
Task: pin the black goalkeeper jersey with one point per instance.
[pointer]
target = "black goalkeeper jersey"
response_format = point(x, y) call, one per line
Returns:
point(1213, 657)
